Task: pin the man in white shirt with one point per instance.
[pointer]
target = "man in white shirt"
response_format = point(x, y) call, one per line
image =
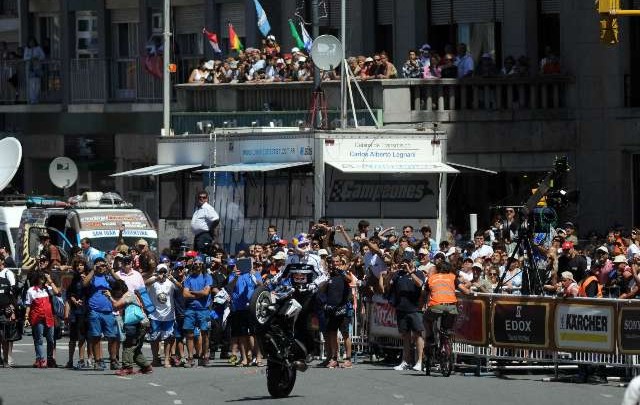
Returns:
point(204, 220)
point(481, 250)
point(162, 287)
point(132, 278)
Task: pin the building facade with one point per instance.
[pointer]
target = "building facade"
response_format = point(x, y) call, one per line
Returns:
point(98, 97)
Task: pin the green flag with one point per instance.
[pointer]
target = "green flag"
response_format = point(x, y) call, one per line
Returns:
point(295, 35)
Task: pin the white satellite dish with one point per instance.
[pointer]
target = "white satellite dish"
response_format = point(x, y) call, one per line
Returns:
point(63, 172)
point(10, 158)
point(326, 52)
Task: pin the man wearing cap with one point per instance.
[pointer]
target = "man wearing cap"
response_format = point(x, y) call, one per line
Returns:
point(162, 287)
point(203, 222)
point(51, 251)
point(568, 287)
point(571, 261)
point(466, 272)
point(424, 258)
point(570, 229)
point(196, 291)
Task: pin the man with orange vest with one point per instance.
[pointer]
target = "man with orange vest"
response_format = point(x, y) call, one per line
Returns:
point(590, 286)
point(442, 297)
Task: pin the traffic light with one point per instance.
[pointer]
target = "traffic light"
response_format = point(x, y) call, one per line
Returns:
point(605, 6)
point(608, 29)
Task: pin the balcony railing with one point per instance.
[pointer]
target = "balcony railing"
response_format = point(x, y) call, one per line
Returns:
point(402, 100)
point(30, 82)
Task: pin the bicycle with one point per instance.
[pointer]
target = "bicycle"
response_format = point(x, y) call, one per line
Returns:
point(440, 353)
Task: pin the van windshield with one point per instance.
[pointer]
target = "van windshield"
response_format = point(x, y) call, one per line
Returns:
point(109, 244)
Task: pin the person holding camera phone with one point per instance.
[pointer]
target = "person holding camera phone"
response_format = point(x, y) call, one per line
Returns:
point(405, 288)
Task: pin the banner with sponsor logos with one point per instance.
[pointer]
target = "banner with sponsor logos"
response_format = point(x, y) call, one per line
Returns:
point(382, 318)
point(521, 322)
point(588, 326)
point(629, 328)
point(471, 322)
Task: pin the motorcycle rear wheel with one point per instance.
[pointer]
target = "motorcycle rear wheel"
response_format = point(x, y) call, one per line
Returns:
point(280, 379)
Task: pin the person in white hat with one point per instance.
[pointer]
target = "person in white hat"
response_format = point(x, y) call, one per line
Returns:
point(567, 287)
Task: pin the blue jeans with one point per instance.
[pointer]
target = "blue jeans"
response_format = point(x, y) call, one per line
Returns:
point(40, 331)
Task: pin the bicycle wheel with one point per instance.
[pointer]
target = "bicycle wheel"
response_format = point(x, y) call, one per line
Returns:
point(446, 357)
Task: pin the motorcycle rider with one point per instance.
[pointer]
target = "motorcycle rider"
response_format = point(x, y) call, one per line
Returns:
point(303, 255)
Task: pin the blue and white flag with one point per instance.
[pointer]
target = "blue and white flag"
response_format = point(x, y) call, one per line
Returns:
point(263, 22)
point(306, 38)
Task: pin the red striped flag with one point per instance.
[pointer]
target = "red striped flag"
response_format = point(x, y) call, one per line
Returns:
point(213, 40)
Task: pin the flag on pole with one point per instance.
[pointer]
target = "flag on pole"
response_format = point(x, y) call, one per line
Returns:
point(263, 22)
point(213, 40)
point(306, 38)
point(295, 35)
point(234, 39)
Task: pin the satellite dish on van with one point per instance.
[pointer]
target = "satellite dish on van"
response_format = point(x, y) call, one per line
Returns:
point(63, 172)
point(10, 158)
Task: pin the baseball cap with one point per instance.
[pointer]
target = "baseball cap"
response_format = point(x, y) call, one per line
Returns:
point(602, 249)
point(162, 268)
point(423, 251)
point(567, 275)
point(283, 242)
point(441, 254)
point(567, 245)
point(369, 59)
point(620, 259)
point(280, 256)
point(323, 252)
point(126, 259)
point(452, 250)
point(295, 49)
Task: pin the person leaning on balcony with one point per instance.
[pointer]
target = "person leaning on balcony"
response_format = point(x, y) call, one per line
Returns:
point(448, 69)
point(201, 72)
point(412, 68)
point(464, 62)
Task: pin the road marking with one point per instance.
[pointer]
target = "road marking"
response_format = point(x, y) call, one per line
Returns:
point(607, 395)
point(177, 402)
point(172, 393)
point(125, 378)
point(398, 396)
point(155, 385)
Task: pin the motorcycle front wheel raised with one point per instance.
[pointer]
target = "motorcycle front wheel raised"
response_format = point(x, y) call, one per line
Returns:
point(260, 308)
point(280, 379)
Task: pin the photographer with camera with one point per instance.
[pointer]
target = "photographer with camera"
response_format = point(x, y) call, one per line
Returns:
point(405, 288)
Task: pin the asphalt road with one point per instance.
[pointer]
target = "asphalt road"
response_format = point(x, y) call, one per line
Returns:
point(219, 383)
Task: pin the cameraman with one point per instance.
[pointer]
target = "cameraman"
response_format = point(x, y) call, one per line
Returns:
point(405, 289)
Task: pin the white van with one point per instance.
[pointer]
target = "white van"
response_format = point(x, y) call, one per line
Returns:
point(92, 217)
point(10, 215)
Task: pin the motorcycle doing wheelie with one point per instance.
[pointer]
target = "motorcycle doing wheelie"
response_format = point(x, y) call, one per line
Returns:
point(276, 311)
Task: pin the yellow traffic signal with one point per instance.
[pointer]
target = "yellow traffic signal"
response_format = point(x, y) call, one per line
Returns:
point(608, 29)
point(605, 6)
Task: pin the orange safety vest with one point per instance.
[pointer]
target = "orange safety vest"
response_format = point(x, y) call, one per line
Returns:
point(582, 291)
point(443, 289)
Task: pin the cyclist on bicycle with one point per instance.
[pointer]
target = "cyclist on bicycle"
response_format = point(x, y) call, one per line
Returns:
point(442, 298)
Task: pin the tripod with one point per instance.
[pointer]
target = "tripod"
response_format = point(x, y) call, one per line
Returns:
point(318, 117)
point(531, 280)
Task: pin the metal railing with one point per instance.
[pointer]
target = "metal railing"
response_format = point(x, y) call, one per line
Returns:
point(30, 82)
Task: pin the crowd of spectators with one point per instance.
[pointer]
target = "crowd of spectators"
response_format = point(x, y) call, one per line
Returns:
point(197, 305)
point(270, 64)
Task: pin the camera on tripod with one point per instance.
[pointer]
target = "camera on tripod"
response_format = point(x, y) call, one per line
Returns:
point(558, 196)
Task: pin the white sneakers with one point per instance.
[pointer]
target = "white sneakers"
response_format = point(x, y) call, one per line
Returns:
point(402, 366)
point(405, 366)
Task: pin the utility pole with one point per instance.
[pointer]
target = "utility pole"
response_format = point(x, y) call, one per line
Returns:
point(343, 75)
point(166, 75)
point(315, 20)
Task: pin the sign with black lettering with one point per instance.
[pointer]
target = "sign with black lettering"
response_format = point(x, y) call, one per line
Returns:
point(520, 323)
point(585, 327)
point(629, 330)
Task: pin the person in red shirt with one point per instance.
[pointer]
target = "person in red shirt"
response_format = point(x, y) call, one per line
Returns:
point(39, 315)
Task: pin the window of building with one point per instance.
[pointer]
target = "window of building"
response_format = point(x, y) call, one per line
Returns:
point(86, 34)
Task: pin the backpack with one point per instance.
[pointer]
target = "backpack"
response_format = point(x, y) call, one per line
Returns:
point(7, 294)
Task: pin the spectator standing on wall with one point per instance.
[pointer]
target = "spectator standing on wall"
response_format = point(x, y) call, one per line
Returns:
point(203, 222)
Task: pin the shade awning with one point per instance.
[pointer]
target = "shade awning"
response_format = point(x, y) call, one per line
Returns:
point(254, 167)
point(391, 167)
point(472, 168)
point(155, 170)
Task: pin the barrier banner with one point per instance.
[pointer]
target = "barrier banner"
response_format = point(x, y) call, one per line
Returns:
point(471, 321)
point(382, 321)
point(629, 329)
point(585, 327)
point(516, 322)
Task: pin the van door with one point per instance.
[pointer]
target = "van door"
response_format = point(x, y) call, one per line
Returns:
point(31, 245)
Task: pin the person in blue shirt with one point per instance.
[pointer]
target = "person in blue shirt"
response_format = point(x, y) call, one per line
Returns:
point(90, 253)
point(101, 321)
point(196, 291)
point(241, 286)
